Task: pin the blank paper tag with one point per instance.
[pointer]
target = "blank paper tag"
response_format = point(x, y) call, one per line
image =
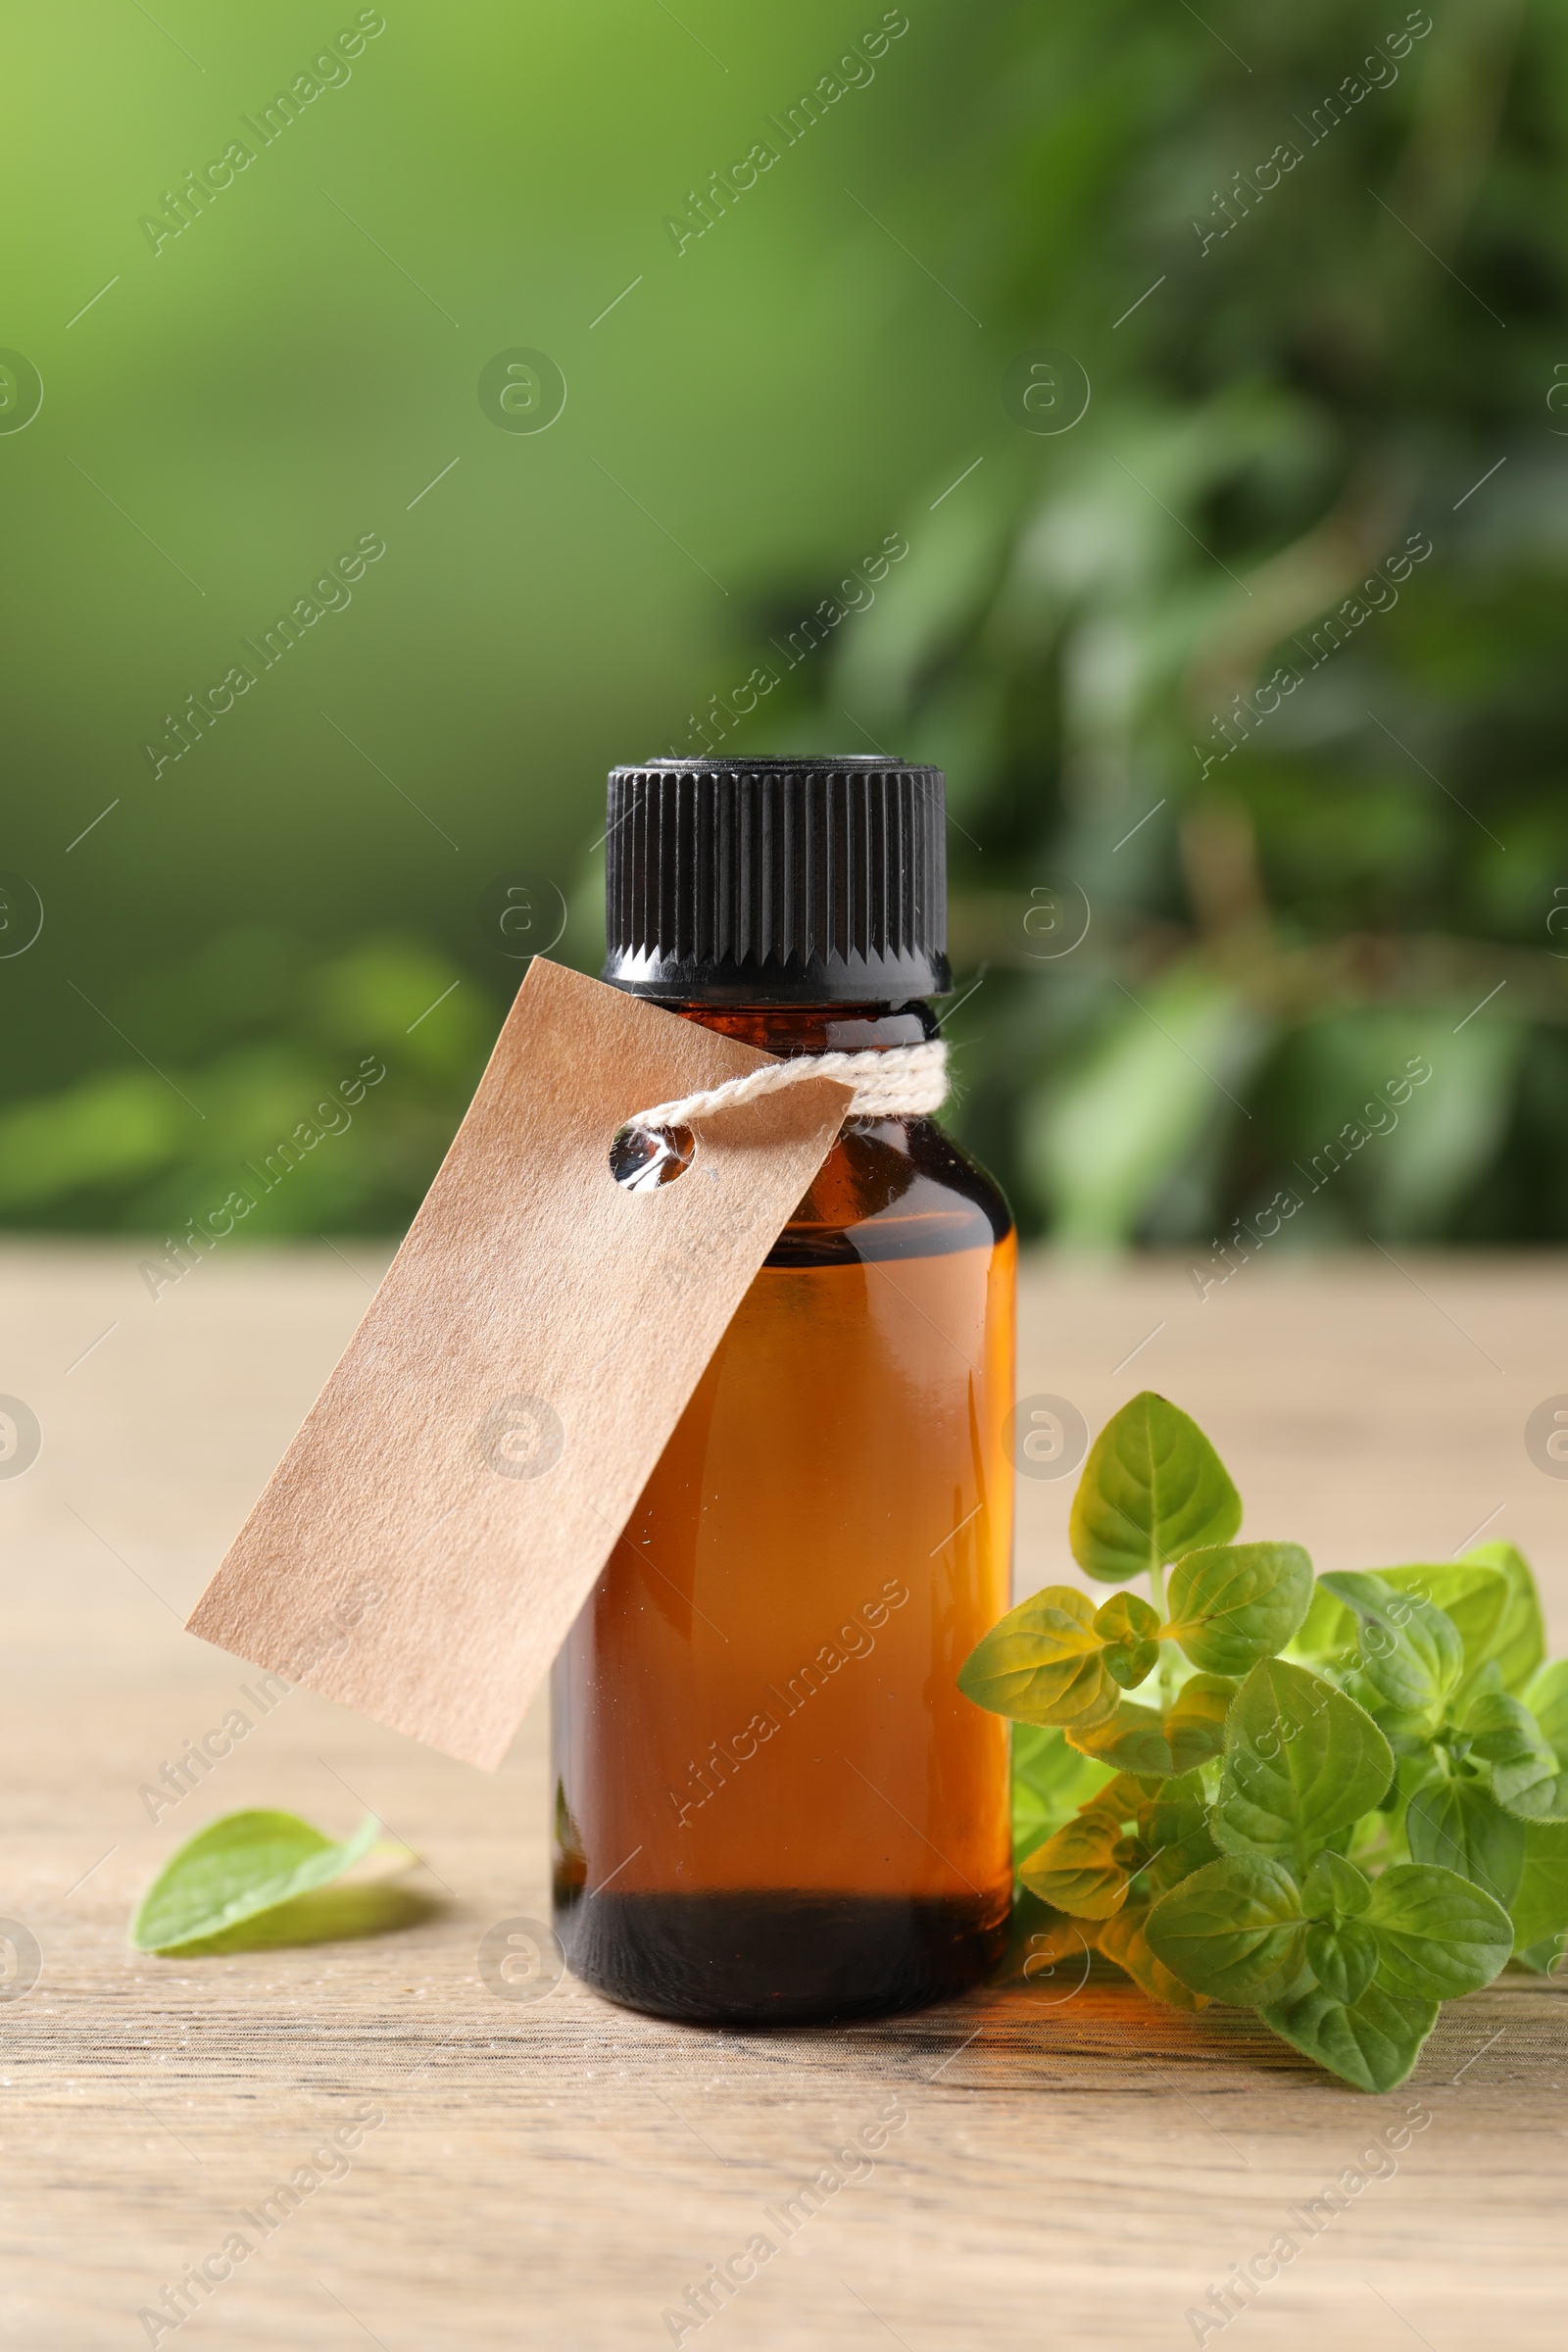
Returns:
point(461, 1481)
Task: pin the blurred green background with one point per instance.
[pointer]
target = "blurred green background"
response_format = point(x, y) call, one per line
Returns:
point(1212, 370)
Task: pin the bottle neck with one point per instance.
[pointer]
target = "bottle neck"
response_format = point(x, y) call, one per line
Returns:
point(816, 1028)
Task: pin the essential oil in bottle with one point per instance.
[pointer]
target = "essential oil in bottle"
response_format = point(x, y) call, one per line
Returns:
point(771, 1801)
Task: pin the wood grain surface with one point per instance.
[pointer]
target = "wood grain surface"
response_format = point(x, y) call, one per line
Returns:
point(1063, 2165)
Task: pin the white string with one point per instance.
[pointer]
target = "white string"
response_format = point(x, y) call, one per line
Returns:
point(904, 1082)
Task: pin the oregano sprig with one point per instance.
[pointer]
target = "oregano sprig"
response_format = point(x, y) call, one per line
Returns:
point(1339, 1802)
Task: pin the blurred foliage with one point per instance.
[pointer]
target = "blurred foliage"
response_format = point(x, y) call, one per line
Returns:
point(275, 1055)
point(1205, 919)
point(1289, 893)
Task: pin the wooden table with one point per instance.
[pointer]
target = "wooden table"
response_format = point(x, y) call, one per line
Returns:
point(1064, 2168)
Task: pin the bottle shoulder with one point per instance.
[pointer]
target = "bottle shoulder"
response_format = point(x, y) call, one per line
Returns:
point(892, 1189)
point(888, 1188)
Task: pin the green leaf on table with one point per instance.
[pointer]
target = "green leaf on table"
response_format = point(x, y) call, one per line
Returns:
point(1079, 1871)
point(1409, 1652)
point(1303, 1762)
point(1457, 1826)
point(1540, 1906)
point(235, 1868)
point(1438, 1936)
point(1044, 1662)
point(1125, 1940)
point(1049, 1782)
point(1519, 1641)
point(327, 1915)
point(1372, 2042)
point(1140, 1740)
point(1151, 1488)
point(1231, 1930)
point(1528, 1776)
point(1230, 1604)
point(1131, 1632)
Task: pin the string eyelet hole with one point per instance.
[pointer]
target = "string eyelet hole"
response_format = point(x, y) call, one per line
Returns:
point(644, 1157)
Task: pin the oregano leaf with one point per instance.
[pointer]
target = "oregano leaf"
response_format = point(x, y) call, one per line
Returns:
point(1137, 1740)
point(1540, 1906)
point(1326, 1635)
point(1125, 1940)
point(1077, 1870)
point(1334, 1889)
point(1152, 1488)
point(1049, 1782)
point(237, 1867)
point(1546, 1697)
point(1231, 1928)
point(1131, 1632)
point(1195, 1721)
point(1471, 1594)
point(1411, 1652)
point(1456, 1826)
point(1438, 1936)
point(1120, 1798)
point(1230, 1604)
point(1133, 1740)
point(1303, 1762)
point(1343, 1957)
point(1372, 2042)
point(1044, 1662)
point(1168, 1865)
point(1527, 1776)
point(1519, 1642)
point(1176, 1808)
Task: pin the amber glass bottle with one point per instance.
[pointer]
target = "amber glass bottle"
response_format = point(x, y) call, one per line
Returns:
point(771, 1801)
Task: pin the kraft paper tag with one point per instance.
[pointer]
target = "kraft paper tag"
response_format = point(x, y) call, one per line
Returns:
point(457, 1487)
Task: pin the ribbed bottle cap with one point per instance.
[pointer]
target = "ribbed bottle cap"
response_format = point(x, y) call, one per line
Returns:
point(777, 881)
